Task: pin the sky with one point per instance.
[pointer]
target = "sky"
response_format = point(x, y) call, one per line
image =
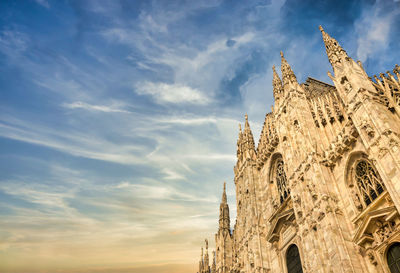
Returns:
point(119, 119)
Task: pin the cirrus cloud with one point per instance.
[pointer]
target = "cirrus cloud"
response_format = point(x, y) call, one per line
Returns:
point(172, 93)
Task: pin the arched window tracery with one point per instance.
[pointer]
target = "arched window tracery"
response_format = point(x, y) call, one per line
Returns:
point(281, 180)
point(368, 181)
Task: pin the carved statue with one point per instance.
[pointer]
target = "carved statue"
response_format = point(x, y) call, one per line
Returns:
point(346, 85)
point(356, 199)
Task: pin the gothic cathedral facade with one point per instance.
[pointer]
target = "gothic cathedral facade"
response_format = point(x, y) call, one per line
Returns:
point(321, 191)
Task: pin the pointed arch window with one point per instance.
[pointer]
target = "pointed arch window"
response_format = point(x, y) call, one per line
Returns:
point(293, 262)
point(281, 180)
point(368, 181)
point(393, 258)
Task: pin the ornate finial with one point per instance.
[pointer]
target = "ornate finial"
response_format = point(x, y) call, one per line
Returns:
point(321, 28)
point(287, 73)
point(224, 199)
point(246, 123)
point(240, 128)
point(206, 244)
point(333, 49)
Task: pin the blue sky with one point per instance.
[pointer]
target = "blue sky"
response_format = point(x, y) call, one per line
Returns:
point(118, 119)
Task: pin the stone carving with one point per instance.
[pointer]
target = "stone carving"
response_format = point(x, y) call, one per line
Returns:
point(311, 190)
point(346, 85)
point(384, 230)
point(342, 143)
point(372, 258)
point(367, 128)
point(321, 194)
point(356, 199)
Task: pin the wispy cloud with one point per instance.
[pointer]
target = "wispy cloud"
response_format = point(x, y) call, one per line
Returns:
point(172, 93)
point(73, 143)
point(13, 43)
point(91, 107)
point(374, 28)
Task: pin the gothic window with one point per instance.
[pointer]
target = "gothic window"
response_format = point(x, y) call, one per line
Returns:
point(393, 258)
point(281, 180)
point(368, 181)
point(293, 262)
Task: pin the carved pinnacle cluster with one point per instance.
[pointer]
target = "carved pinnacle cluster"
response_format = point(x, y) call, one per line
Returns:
point(245, 143)
point(387, 87)
point(268, 140)
point(248, 135)
point(204, 263)
point(287, 73)
point(335, 52)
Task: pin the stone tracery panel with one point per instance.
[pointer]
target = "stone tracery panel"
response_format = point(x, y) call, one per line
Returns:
point(368, 181)
point(364, 181)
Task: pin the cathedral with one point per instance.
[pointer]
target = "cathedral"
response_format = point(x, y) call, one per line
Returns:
point(321, 190)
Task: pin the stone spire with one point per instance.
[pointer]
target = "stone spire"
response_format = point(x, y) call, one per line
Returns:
point(224, 200)
point(206, 259)
point(201, 261)
point(248, 139)
point(224, 219)
point(336, 54)
point(245, 143)
point(288, 76)
point(277, 84)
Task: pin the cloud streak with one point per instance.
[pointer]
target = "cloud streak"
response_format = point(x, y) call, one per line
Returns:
point(172, 93)
point(91, 107)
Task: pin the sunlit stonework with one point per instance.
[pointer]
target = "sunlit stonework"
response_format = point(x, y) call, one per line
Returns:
point(321, 191)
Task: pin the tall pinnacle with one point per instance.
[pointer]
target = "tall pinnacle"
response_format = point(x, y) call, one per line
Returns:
point(336, 54)
point(277, 84)
point(224, 219)
point(206, 259)
point(288, 75)
point(224, 199)
point(248, 138)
